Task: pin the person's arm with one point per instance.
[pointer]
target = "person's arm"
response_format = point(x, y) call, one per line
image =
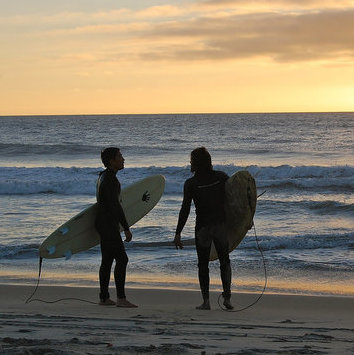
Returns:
point(109, 192)
point(120, 215)
point(183, 215)
point(122, 220)
point(177, 241)
point(224, 176)
point(128, 235)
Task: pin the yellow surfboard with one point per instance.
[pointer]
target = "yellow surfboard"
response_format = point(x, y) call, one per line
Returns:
point(240, 207)
point(79, 233)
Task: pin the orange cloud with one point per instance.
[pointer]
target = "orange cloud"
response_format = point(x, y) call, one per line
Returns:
point(274, 3)
point(283, 37)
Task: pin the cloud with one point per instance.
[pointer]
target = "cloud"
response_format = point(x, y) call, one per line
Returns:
point(63, 19)
point(283, 37)
point(161, 11)
point(194, 32)
point(275, 3)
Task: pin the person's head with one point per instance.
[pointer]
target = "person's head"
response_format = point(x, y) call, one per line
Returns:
point(200, 160)
point(112, 158)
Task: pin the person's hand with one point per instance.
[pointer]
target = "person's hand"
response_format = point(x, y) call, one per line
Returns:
point(128, 236)
point(177, 241)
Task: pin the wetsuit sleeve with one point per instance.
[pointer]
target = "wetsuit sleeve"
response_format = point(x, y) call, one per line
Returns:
point(109, 191)
point(185, 208)
point(224, 176)
point(121, 216)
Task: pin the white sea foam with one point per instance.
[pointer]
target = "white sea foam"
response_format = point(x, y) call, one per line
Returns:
point(304, 161)
point(78, 181)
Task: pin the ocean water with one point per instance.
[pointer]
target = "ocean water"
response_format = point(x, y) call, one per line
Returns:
point(304, 221)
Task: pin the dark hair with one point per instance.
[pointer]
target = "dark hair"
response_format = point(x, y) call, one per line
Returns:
point(201, 160)
point(107, 154)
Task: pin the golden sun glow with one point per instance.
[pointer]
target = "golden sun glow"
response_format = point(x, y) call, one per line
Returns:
point(184, 56)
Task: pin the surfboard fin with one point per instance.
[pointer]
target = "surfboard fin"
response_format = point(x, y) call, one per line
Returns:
point(64, 230)
point(68, 254)
point(51, 250)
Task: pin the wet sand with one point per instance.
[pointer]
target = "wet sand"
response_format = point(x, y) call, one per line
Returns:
point(167, 322)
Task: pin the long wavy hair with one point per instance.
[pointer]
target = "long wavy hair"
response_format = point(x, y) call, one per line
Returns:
point(201, 160)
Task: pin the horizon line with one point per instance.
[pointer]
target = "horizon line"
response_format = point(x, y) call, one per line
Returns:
point(165, 113)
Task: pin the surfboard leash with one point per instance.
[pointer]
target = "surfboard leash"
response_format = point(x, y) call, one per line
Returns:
point(39, 277)
point(29, 299)
point(261, 194)
point(264, 286)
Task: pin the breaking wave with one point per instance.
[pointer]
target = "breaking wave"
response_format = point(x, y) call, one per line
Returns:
point(82, 181)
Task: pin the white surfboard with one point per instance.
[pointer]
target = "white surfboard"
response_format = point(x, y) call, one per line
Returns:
point(240, 207)
point(79, 233)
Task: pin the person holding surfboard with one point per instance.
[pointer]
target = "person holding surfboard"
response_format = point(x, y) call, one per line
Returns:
point(207, 190)
point(110, 215)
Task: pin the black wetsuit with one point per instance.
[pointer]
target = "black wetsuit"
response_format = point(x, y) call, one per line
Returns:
point(207, 190)
point(109, 216)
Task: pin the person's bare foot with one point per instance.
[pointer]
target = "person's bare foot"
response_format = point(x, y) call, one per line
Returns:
point(227, 303)
point(123, 302)
point(204, 306)
point(107, 302)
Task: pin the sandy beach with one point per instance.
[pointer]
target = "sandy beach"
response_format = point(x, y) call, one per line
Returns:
point(167, 322)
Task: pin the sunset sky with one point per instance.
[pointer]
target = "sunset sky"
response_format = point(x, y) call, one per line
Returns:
point(140, 56)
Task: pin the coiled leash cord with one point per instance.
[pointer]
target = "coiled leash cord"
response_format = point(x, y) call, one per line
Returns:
point(264, 287)
point(29, 299)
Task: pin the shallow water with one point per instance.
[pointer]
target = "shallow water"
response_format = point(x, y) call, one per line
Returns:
point(303, 222)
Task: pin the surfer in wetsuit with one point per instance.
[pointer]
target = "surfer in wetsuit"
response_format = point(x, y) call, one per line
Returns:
point(110, 215)
point(207, 190)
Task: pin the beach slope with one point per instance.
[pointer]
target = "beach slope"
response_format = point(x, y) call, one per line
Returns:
point(167, 322)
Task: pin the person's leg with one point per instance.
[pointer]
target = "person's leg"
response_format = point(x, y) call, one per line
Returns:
point(203, 245)
point(222, 249)
point(120, 271)
point(105, 272)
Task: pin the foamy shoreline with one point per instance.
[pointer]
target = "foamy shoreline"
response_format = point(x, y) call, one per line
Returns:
point(167, 322)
